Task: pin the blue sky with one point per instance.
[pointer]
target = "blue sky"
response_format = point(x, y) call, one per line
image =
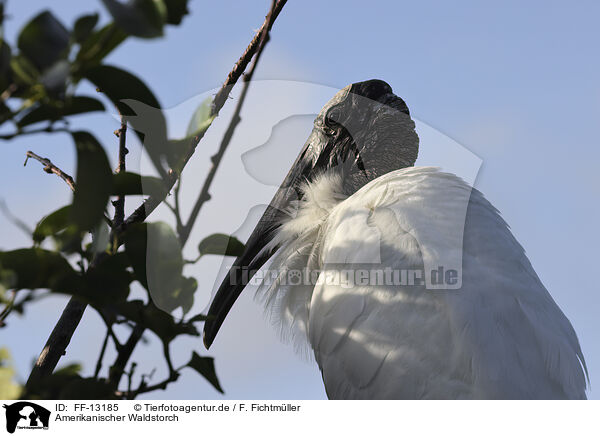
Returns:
point(515, 83)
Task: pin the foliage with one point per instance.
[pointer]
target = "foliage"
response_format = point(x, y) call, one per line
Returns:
point(9, 390)
point(39, 78)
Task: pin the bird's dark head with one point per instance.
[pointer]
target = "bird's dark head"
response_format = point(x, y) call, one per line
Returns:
point(363, 132)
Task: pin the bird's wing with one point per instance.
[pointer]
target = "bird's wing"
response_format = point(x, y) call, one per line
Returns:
point(500, 335)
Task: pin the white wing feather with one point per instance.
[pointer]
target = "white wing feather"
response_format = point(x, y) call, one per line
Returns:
point(500, 335)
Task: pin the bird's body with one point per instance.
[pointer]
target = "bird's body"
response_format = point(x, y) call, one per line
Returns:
point(366, 232)
point(499, 336)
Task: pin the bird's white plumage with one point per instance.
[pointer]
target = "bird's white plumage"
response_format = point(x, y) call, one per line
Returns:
point(500, 335)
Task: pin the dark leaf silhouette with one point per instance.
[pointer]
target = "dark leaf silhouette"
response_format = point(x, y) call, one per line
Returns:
point(219, 243)
point(143, 18)
point(205, 366)
point(71, 106)
point(52, 224)
point(44, 40)
point(84, 27)
point(93, 180)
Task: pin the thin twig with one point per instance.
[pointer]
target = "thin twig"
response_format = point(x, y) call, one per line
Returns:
point(29, 297)
point(130, 379)
point(8, 308)
point(101, 356)
point(119, 203)
point(204, 195)
point(118, 368)
point(8, 92)
point(167, 354)
point(50, 168)
point(148, 388)
point(118, 345)
point(177, 207)
point(223, 93)
point(14, 219)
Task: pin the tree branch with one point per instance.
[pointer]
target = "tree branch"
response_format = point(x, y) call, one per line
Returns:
point(57, 341)
point(50, 168)
point(118, 368)
point(204, 195)
point(242, 63)
point(143, 388)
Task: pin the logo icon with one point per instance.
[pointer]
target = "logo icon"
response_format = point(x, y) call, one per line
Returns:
point(26, 415)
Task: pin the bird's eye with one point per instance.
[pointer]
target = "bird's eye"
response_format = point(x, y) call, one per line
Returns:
point(333, 118)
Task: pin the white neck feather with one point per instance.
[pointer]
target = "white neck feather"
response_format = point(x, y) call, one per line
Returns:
point(287, 304)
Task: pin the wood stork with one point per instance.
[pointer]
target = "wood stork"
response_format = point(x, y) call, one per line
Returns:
point(353, 200)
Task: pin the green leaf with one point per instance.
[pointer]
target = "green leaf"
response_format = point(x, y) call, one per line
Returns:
point(98, 45)
point(177, 149)
point(155, 254)
point(50, 386)
point(154, 319)
point(109, 281)
point(44, 40)
point(69, 240)
point(84, 26)
point(220, 243)
point(143, 18)
point(9, 390)
point(52, 224)
point(36, 268)
point(185, 296)
point(201, 119)
point(72, 106)
point(119, 84)
point(205, 366)
point(100, 240)
point(176, 152)
point(24, 71)
point(136, 242)
point(94, 181)
point(70, 370)
point(5, 71)
point(176, 10)
point(133, 184)
point(164, 265)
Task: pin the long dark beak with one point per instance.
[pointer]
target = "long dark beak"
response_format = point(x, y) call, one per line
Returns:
point(256, 254)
